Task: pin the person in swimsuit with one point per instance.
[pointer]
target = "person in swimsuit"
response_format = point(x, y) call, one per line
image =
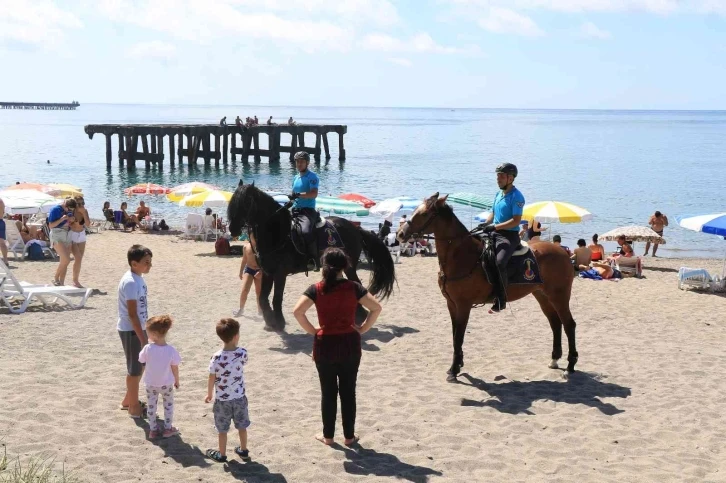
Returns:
point(582, 256)
point(657, 222)
point(78, 238)
point(598, 251)
point(249, 272)
point(129, 221)
point(605, 270)
point(534, 231)
point(59, 220)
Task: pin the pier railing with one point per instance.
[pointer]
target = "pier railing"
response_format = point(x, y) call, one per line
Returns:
point(212, 142)
point(40, 106)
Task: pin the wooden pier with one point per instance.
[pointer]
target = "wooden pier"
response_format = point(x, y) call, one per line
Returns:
point(40, 106)
point(199, 142)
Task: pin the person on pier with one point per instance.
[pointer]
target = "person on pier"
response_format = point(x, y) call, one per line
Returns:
point(269, 121)
point(238, 121)
point(304, 192)
point(223, 121)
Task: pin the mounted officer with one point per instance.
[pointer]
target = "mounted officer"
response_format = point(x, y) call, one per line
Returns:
point(304, 192)
point(503, 224)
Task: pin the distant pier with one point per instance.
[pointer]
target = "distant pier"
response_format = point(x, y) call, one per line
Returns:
point(40, 106)
point(212, 142)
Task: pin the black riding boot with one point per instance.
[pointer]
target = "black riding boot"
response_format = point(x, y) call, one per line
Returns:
point(313, 256)
point(500, 293)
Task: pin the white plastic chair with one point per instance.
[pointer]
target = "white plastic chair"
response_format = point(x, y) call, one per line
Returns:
point(16, 244)
point(195, 226)
point(12, 290)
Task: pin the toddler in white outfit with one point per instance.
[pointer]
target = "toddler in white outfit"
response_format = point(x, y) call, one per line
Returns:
point(161, 375)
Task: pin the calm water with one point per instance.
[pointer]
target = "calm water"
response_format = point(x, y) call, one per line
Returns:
point(621, 165)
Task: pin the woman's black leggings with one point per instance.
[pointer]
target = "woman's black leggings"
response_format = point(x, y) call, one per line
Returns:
point(338, 378)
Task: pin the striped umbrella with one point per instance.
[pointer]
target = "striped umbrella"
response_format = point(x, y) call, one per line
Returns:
point(187, 189)
point(555, 212)
point(63, 190)
point(356, 198)
point(208, 199)
point(147, 189)
point(470, 199)
point(714, 224)
point(339, 207)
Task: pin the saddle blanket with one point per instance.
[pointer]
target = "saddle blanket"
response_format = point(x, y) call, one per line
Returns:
point(522, 269)
point(325, 233)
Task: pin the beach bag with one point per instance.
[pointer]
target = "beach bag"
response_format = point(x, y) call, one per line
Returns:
point(35, 252)
point(221, 247)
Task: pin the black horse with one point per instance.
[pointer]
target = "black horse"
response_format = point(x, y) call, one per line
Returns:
point(270, 224)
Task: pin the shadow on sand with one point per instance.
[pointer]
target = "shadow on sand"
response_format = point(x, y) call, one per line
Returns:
point(252, 472)
point(515, 397)
point(369, 462)
point(297, 343)
point(175, 448)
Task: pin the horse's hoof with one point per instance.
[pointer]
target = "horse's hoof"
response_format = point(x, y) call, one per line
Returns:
point(553, 364)
point(451, 377)
point(566, 375)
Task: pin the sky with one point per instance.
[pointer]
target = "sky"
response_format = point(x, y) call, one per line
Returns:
point(568, 54)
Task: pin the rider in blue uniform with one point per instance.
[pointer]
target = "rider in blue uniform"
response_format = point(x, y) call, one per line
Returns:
point(304, 192)
point(503, 224)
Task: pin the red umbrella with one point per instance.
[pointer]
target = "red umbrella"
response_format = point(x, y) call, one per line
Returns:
point(147, 189)
point(356, 198)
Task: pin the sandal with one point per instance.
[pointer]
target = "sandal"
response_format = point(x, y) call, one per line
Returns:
point(57, 283)
point(168, 433)
point(243, 454)
point(216, 456)
point(126, 408)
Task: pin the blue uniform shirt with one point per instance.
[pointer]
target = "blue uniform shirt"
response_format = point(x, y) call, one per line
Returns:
point(304, 183)
point(507, 206)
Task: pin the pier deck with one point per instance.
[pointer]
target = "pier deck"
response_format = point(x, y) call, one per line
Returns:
point(40, 106)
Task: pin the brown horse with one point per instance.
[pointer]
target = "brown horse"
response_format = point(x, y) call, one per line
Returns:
point(464, 284)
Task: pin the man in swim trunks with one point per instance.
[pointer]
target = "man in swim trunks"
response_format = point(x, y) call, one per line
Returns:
point(657, 222)
point(582, 256)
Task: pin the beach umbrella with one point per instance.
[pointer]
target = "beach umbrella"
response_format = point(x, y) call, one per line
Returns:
point(339, 207)
point(28, 186)
point(208, 199)
point(714, 224)
point(634, 233)
point(188, 189)
point(388, 208)
point(27, 202)
point(356, 198)
point(63, 190)
point(147, 189)
point(470, 199)
point(555, 212)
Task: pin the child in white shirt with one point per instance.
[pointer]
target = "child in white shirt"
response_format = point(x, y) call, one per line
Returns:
point(161, 375)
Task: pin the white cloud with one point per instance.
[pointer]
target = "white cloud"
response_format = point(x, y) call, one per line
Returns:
point(420, 43)
point(659, 7)
point(39, 23)
point(400, 61)
point(590, 30)
point(155, 49)
point(505, 21)
point(210, 20)
point(378, 12)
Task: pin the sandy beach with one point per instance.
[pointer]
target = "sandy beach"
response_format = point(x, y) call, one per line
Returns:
point(647, 405)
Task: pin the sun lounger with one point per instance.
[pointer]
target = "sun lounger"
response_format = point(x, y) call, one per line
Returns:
point(13, 291)
point(630, 265)
point(16, 244)
point(699, 278)
point(194, 226)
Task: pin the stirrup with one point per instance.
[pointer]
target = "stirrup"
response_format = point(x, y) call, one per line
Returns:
point(498, 306)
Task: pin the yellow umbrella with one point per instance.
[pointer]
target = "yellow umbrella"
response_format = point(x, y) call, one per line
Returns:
point(182, 191)
point(64, 190)
point(209, 199)
point(555, 212)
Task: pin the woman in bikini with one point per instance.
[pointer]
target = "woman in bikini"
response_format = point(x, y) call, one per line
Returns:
point(129, 221)
point(78, 238)
point(598, 251)
point(249, 273)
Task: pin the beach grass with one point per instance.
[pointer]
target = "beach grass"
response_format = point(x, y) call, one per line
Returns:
point(36, 469)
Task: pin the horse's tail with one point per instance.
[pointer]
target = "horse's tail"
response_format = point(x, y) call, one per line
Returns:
point(384, 271)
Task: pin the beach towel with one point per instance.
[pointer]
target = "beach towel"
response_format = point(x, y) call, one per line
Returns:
point(591, 274)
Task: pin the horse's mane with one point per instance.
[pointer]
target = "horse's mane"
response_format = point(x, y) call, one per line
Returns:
point(249, 205)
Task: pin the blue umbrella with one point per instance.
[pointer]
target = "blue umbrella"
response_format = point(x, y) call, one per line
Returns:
point(714, 224)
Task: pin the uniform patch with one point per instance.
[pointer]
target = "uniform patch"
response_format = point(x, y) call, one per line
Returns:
point(520, 204)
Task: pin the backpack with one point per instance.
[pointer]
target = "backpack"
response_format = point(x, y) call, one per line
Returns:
point(35, 252)
point(221, 247)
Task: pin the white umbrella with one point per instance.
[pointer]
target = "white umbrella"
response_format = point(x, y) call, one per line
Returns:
point(27, 202)
point(634, 233)
point(386, 208)
point(208, 199)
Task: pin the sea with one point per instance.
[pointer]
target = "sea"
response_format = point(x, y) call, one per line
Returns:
point(620, 165)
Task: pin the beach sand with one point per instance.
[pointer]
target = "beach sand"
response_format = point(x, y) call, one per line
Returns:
point(647, 405)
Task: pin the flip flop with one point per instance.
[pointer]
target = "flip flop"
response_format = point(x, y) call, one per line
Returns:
point(216, 456)
point(126, 408)
point(244, 455)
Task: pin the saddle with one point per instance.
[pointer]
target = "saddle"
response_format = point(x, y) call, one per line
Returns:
point(521, 269)
point(324, 233)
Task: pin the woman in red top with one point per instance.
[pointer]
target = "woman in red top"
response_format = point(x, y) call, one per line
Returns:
point(336, 347)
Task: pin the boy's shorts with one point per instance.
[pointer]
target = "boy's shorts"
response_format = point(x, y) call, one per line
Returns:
point(226, 411)
point(2, 229)
point(132, 348)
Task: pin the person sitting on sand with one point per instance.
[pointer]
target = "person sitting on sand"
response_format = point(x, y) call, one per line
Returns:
point(557, 240)
point(598, 251)
point(336, 343)
point(226, 381)
point(582, 256)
